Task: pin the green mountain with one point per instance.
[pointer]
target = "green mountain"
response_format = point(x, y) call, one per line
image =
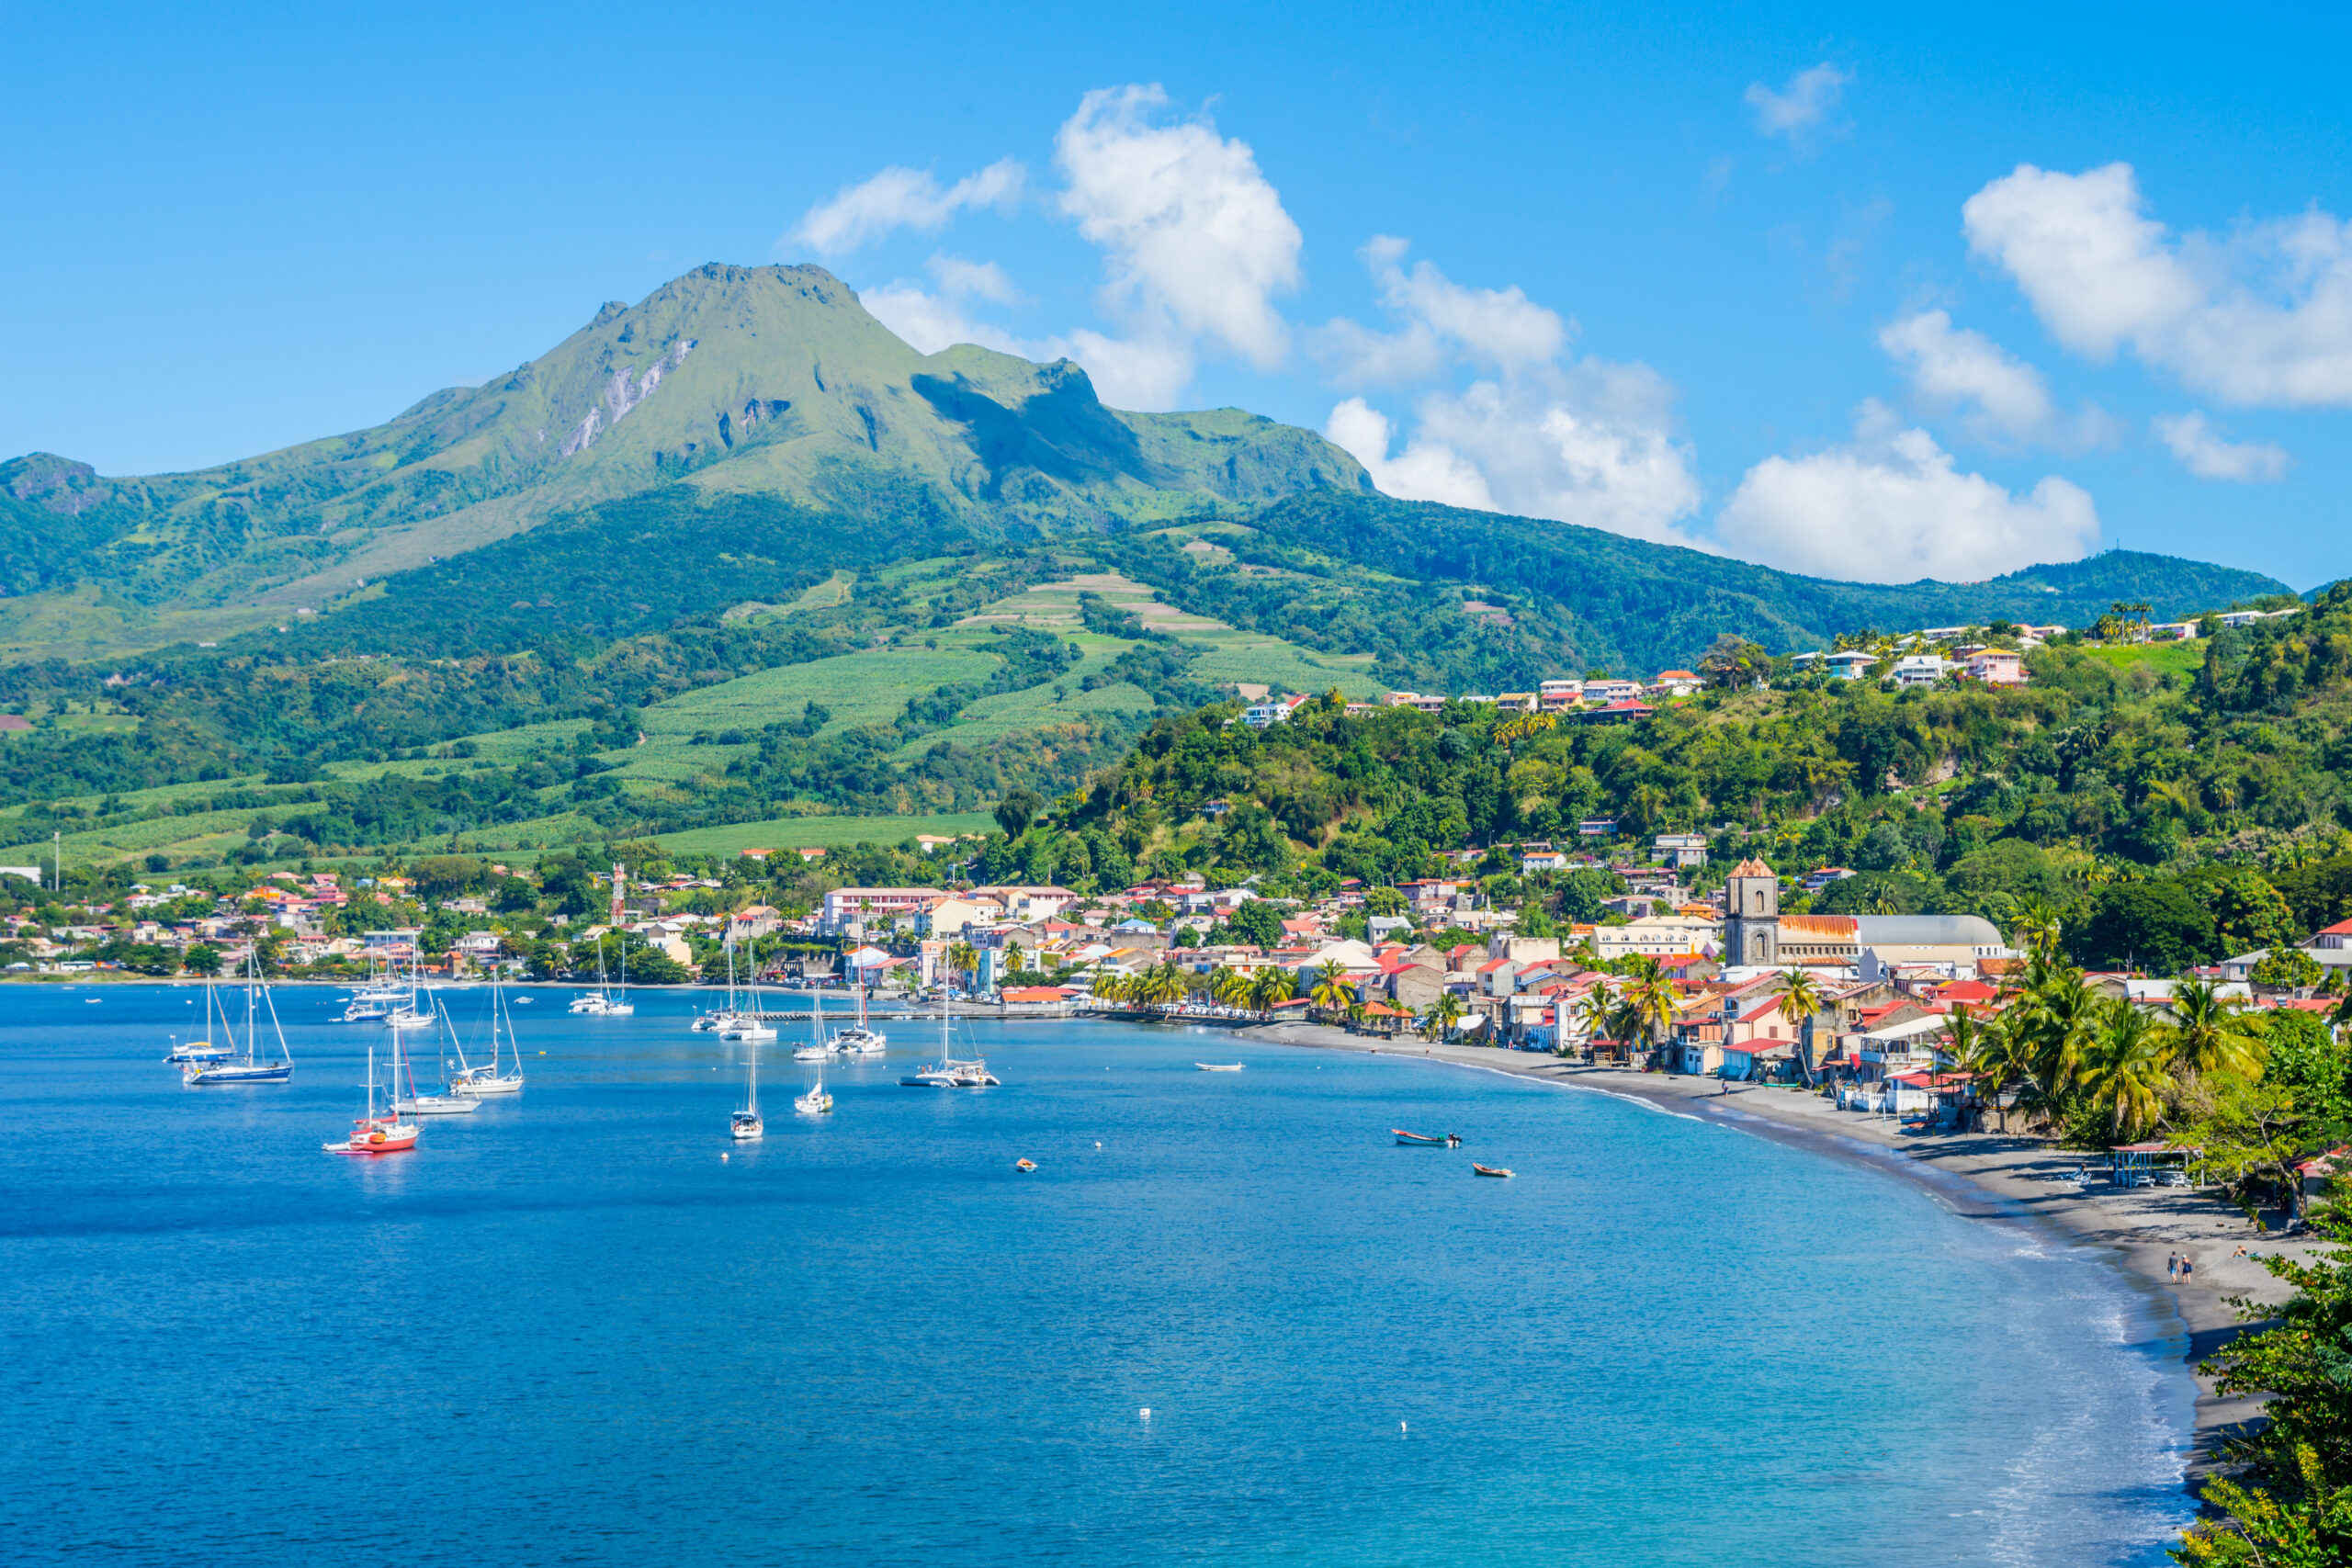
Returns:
point(733, 381)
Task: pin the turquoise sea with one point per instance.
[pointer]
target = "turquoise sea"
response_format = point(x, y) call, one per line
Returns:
point(565, 1331)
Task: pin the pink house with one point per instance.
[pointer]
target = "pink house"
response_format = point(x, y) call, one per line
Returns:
point(1997, 667)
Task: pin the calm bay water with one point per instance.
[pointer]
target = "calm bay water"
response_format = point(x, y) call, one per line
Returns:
point(563, 1330)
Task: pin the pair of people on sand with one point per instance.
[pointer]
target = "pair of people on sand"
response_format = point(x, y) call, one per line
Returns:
point(2179, 1267)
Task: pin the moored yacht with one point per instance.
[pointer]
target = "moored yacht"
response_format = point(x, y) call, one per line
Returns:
point(244, 1064)
point(746, 1125)
point(474, 1082)
point(374, 1134)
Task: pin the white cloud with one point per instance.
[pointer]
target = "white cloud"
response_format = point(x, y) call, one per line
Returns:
point(1802, 105)
point(932, 318)
point(1892, 507)
point(2261, 317)
point(1197, 243)
point(1497, 329)
point(1128, 373)
point(1423, 471)
point(2000, 397)
point(900, 198)
point(1586, 442)
point(2203, 451)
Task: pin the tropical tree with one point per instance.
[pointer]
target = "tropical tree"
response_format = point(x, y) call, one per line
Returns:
point(2123, 1067)
point(1801, 1004)
point(1988, 1051)
point(1267, 986)
point(1652, 998)
point(1438, 1019)
point(965, 959)
point(1228, 986)
point(1330, 989)
point(1161, 985)
point(2210, 1034)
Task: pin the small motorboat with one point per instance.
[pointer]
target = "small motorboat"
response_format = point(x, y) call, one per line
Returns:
point(1218, 1066)
point(1488, 1170)
point(1024, 1165)
point(1416, 1140)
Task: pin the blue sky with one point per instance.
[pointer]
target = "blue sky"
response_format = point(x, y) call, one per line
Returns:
point(1844, 290)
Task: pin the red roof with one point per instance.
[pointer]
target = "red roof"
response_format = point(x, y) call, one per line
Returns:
point(2341, 928)
point(1037, 994)
point(1492, 966)
point(1293, 1002)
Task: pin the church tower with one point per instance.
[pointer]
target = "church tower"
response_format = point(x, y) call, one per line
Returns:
point(1752, 916)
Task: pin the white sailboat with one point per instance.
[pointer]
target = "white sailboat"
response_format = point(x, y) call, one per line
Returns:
point(815, 1102)
point(474, 1082)
point(404, 1071)
point(245, 1064)
point(746, 1123)
point(746, 1024)
point(950, 1073)
point(819, 1047)
point(412, 1012)
point(716, 1021)
point(604, 1001)
point(857, 1040)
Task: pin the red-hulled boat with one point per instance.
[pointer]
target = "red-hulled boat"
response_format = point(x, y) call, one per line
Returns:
point(1415, 1139)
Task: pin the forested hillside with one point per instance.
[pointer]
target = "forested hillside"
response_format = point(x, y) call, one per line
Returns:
point(2171, 818)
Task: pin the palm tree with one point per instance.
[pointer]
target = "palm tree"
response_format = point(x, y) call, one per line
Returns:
point(963, 958)
point(1439, 1018)
point(1331, 989)
point(1984, 1052)
point(1160, 986)
point(2210, 1034)
point(1113, 987)
point(1228, 986)
point(2038, 924)
point(1801, 1004)
point(1652, 998)
point(2124, 1068)
point(1267, 986)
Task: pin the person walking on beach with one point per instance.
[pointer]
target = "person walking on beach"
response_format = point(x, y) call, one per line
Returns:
point(2171, 1265)
point(2188, 1269)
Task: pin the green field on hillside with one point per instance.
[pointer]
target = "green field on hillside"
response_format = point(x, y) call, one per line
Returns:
point(825, 832)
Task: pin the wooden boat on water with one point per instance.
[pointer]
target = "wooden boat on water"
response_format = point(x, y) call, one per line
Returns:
point(1488, 1170)
point(1218, 1066)
point(1415, 1139)
point(1024, 1165)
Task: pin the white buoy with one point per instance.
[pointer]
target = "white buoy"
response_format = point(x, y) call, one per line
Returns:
point(722, 1159)
point(1098, 1143)
point(1147, 1412)
point(1400, 1427)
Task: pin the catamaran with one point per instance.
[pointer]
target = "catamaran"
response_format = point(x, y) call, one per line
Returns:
point(950, 1073)
point(746, 1123)
point(374, 1134)
point(857, 1040)
point(243, 1063)
point(474, 1082)
point(404, 1070)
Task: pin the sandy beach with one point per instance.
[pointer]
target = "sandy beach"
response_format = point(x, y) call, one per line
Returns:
point(1983, 1175)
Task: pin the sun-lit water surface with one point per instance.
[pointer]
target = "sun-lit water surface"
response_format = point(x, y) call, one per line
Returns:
point(565, 1330)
